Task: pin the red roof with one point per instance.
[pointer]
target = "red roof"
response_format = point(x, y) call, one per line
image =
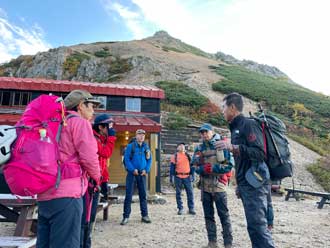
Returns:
point(122, 123)
point(67, 86)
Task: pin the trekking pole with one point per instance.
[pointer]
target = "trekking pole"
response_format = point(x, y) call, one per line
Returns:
point(270, 133)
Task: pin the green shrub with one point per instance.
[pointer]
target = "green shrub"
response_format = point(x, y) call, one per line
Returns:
point(180, 94)
point(166, 49)
point(72, 63)
point(321, 172)
point(119, 66)
point(312, 144)
point(176, 121)
point(102, 53)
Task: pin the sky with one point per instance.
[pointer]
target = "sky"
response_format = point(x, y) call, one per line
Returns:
point(289, 34)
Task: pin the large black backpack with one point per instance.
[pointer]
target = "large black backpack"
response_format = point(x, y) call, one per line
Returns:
point(278, 156)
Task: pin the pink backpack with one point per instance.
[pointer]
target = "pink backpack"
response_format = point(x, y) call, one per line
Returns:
point(34, 166)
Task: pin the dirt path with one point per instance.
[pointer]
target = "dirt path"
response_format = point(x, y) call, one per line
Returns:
point(297, 224)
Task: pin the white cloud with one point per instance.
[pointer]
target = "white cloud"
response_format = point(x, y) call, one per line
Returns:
point(133, 19)
point(291, 35)
point(15, 40)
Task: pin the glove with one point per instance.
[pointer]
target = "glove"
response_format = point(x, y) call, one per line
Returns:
point(208, 168)
point(111, 132)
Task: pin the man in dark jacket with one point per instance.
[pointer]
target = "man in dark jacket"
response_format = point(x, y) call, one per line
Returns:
point(248, 149)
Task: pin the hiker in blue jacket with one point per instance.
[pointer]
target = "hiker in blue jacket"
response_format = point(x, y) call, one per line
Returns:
point(137, 159)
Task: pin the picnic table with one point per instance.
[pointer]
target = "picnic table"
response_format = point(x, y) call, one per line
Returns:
point(293, 193)
point(105, 205)
point(20, 211)
point(19, 242)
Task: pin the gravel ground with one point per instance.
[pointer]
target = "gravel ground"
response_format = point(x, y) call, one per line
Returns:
point(297, 224)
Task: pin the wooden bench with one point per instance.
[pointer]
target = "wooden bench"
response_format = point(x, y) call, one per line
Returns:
point(292, 193)
point(104, 206)
point(19, 242)
point(21, 211)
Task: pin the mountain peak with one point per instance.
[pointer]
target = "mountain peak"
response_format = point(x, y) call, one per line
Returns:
point(162, 34)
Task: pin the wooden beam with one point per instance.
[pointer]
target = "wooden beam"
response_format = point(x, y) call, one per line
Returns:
point(153, 171)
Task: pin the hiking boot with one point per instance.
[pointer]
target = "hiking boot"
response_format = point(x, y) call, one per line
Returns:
point(192, 212)
point(124, 221)
point(180, 212)
point(212, 244)
point(146, 219)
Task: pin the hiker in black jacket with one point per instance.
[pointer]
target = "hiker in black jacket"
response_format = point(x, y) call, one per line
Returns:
point(252, 174)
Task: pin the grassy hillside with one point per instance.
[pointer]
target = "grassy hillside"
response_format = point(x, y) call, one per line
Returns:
point(306, 112)
point(186, 104)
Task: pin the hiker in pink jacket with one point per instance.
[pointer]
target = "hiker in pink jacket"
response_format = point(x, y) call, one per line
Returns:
point(60, 210)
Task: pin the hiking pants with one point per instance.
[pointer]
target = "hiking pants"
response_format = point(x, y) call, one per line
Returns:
point(59, 222)
point(255, 207)
point(86, 227)
point(189, 191)
point(270, 211)
point(220, 200)
point(141, 185)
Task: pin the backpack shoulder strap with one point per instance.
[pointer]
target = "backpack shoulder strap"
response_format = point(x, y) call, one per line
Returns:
point(175, 158)
point(132, 151)
point(58, 135)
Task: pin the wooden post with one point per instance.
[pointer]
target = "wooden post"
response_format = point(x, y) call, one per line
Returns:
point(153, 171)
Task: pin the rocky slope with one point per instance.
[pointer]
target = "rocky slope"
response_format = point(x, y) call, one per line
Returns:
point(160, 57)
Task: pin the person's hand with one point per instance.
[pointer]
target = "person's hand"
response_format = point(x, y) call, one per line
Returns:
point(208, 168)
point(224, 145)
point(111, 132)
point(192, 178)
point(135, 172)
point(143, 173)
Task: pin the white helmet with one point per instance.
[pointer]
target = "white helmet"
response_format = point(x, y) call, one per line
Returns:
point(7, 137)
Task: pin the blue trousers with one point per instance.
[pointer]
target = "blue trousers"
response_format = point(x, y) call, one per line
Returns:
point(270, 211)
point(59, 223)
point(255, 207)
point(220, 200)
point(86, 227)
point(141, 185)
point(189, 190)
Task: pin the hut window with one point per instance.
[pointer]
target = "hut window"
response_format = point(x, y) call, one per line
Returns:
point(133, 104)
point(5, 98)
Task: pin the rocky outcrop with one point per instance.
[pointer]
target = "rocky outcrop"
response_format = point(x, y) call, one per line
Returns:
point(271, 71)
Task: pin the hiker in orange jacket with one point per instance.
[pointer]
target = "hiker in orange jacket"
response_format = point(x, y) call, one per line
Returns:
point(183, 174)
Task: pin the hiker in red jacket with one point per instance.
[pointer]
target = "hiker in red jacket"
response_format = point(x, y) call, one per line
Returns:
point(105, 138)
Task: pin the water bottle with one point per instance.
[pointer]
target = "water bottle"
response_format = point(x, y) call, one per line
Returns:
point(220, 155)
point(43, 135)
